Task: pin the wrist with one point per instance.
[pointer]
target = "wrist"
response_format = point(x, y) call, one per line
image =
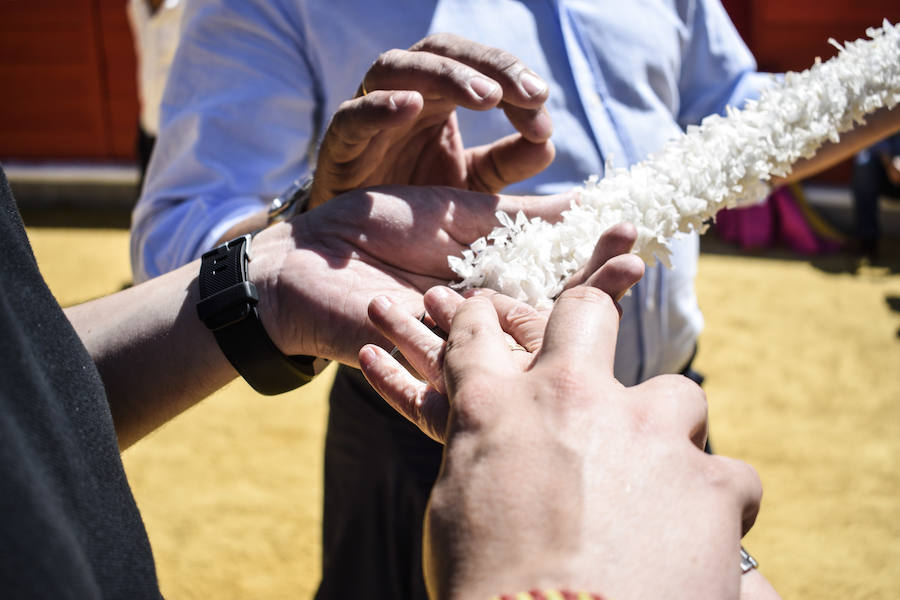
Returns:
point(553, 594)
point(284, 315)
point(504, 572)
point(229, 307)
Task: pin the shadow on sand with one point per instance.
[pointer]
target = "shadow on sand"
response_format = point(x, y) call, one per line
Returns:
point(840, 261)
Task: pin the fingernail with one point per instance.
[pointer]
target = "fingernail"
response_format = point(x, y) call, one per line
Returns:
point(400, 99)
point(482, 88)
point(439, 292)
point(382, 303)
point(532, 84)
point(366, 356)
point(543, 125)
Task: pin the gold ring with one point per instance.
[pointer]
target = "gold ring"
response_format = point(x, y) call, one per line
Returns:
point(362, 87)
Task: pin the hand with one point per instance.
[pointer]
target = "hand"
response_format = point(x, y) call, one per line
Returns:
point(892, 167)
point(555, 475)
point(402, 129)
point(424, 402)
point(317, 272)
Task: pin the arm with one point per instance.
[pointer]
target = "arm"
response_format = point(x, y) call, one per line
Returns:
point(879, 125)
point(155, 355)
point(556, 476)
point(251, 90)
point(315, 274)
point(238, 123)
point(719, 70)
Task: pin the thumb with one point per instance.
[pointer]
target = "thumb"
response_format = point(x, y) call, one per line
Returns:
point(508, 160)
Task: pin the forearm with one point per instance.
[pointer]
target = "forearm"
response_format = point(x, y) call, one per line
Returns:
point(156, 357)
point(879, 125)
point(254, 222)
point(201, 186)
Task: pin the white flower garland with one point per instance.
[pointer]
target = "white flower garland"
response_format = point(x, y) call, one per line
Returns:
point(720, 163)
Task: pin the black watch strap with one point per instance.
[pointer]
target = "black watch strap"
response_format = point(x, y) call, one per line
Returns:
point(228, 307)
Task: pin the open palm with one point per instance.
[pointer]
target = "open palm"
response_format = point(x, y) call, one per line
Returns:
point(385, 241)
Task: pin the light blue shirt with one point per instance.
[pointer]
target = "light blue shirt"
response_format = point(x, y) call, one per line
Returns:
point(254, 83)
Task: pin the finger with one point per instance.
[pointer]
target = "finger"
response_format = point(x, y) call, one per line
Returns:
point(521, 86)
point(548, 208)
point(424, 406)
point(473, 214)
point(678, 406)
point(581, 331)
point(511, 159)
point(534, 124)
point(618, 275)
point(359, 120)
point(442, 303)
point(618, 239)
point(522, 321)
point(475, 344)
point(741, 480)
point(524, 92)
point(419, 345)
point(435, 77)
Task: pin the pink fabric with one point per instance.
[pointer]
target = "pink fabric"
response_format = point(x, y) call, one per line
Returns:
point(778, 220)
point(749, 227)
point(793, 230)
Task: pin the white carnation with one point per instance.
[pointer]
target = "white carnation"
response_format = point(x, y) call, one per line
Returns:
point(721, 163)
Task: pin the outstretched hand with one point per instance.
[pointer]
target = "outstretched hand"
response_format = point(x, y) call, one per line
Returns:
point(424, 401)
point(401, 128)
point(557, 476)
point(317, 272)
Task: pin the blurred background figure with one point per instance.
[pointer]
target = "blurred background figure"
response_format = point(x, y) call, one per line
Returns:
point(784, 219)
point(876, 174)
point(155, 25)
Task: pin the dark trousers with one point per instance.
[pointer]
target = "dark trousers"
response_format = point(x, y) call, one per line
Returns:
point(870, 182)
point(379, 469)
point(143, 148)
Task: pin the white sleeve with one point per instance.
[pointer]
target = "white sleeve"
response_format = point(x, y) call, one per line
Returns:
point(718, 69)
point(239, 120)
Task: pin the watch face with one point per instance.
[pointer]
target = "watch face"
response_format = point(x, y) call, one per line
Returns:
point(278, 206)
point(293, 201)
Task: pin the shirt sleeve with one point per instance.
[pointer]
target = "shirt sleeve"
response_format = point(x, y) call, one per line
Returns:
point(718, 69)
point(238, 123)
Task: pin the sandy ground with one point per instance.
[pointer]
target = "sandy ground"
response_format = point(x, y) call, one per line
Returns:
point(802, 360)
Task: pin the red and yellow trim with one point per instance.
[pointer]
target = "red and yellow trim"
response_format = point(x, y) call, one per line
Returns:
point(549, 595)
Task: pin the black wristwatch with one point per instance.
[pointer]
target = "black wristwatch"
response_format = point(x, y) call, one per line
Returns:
point(228, 307)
